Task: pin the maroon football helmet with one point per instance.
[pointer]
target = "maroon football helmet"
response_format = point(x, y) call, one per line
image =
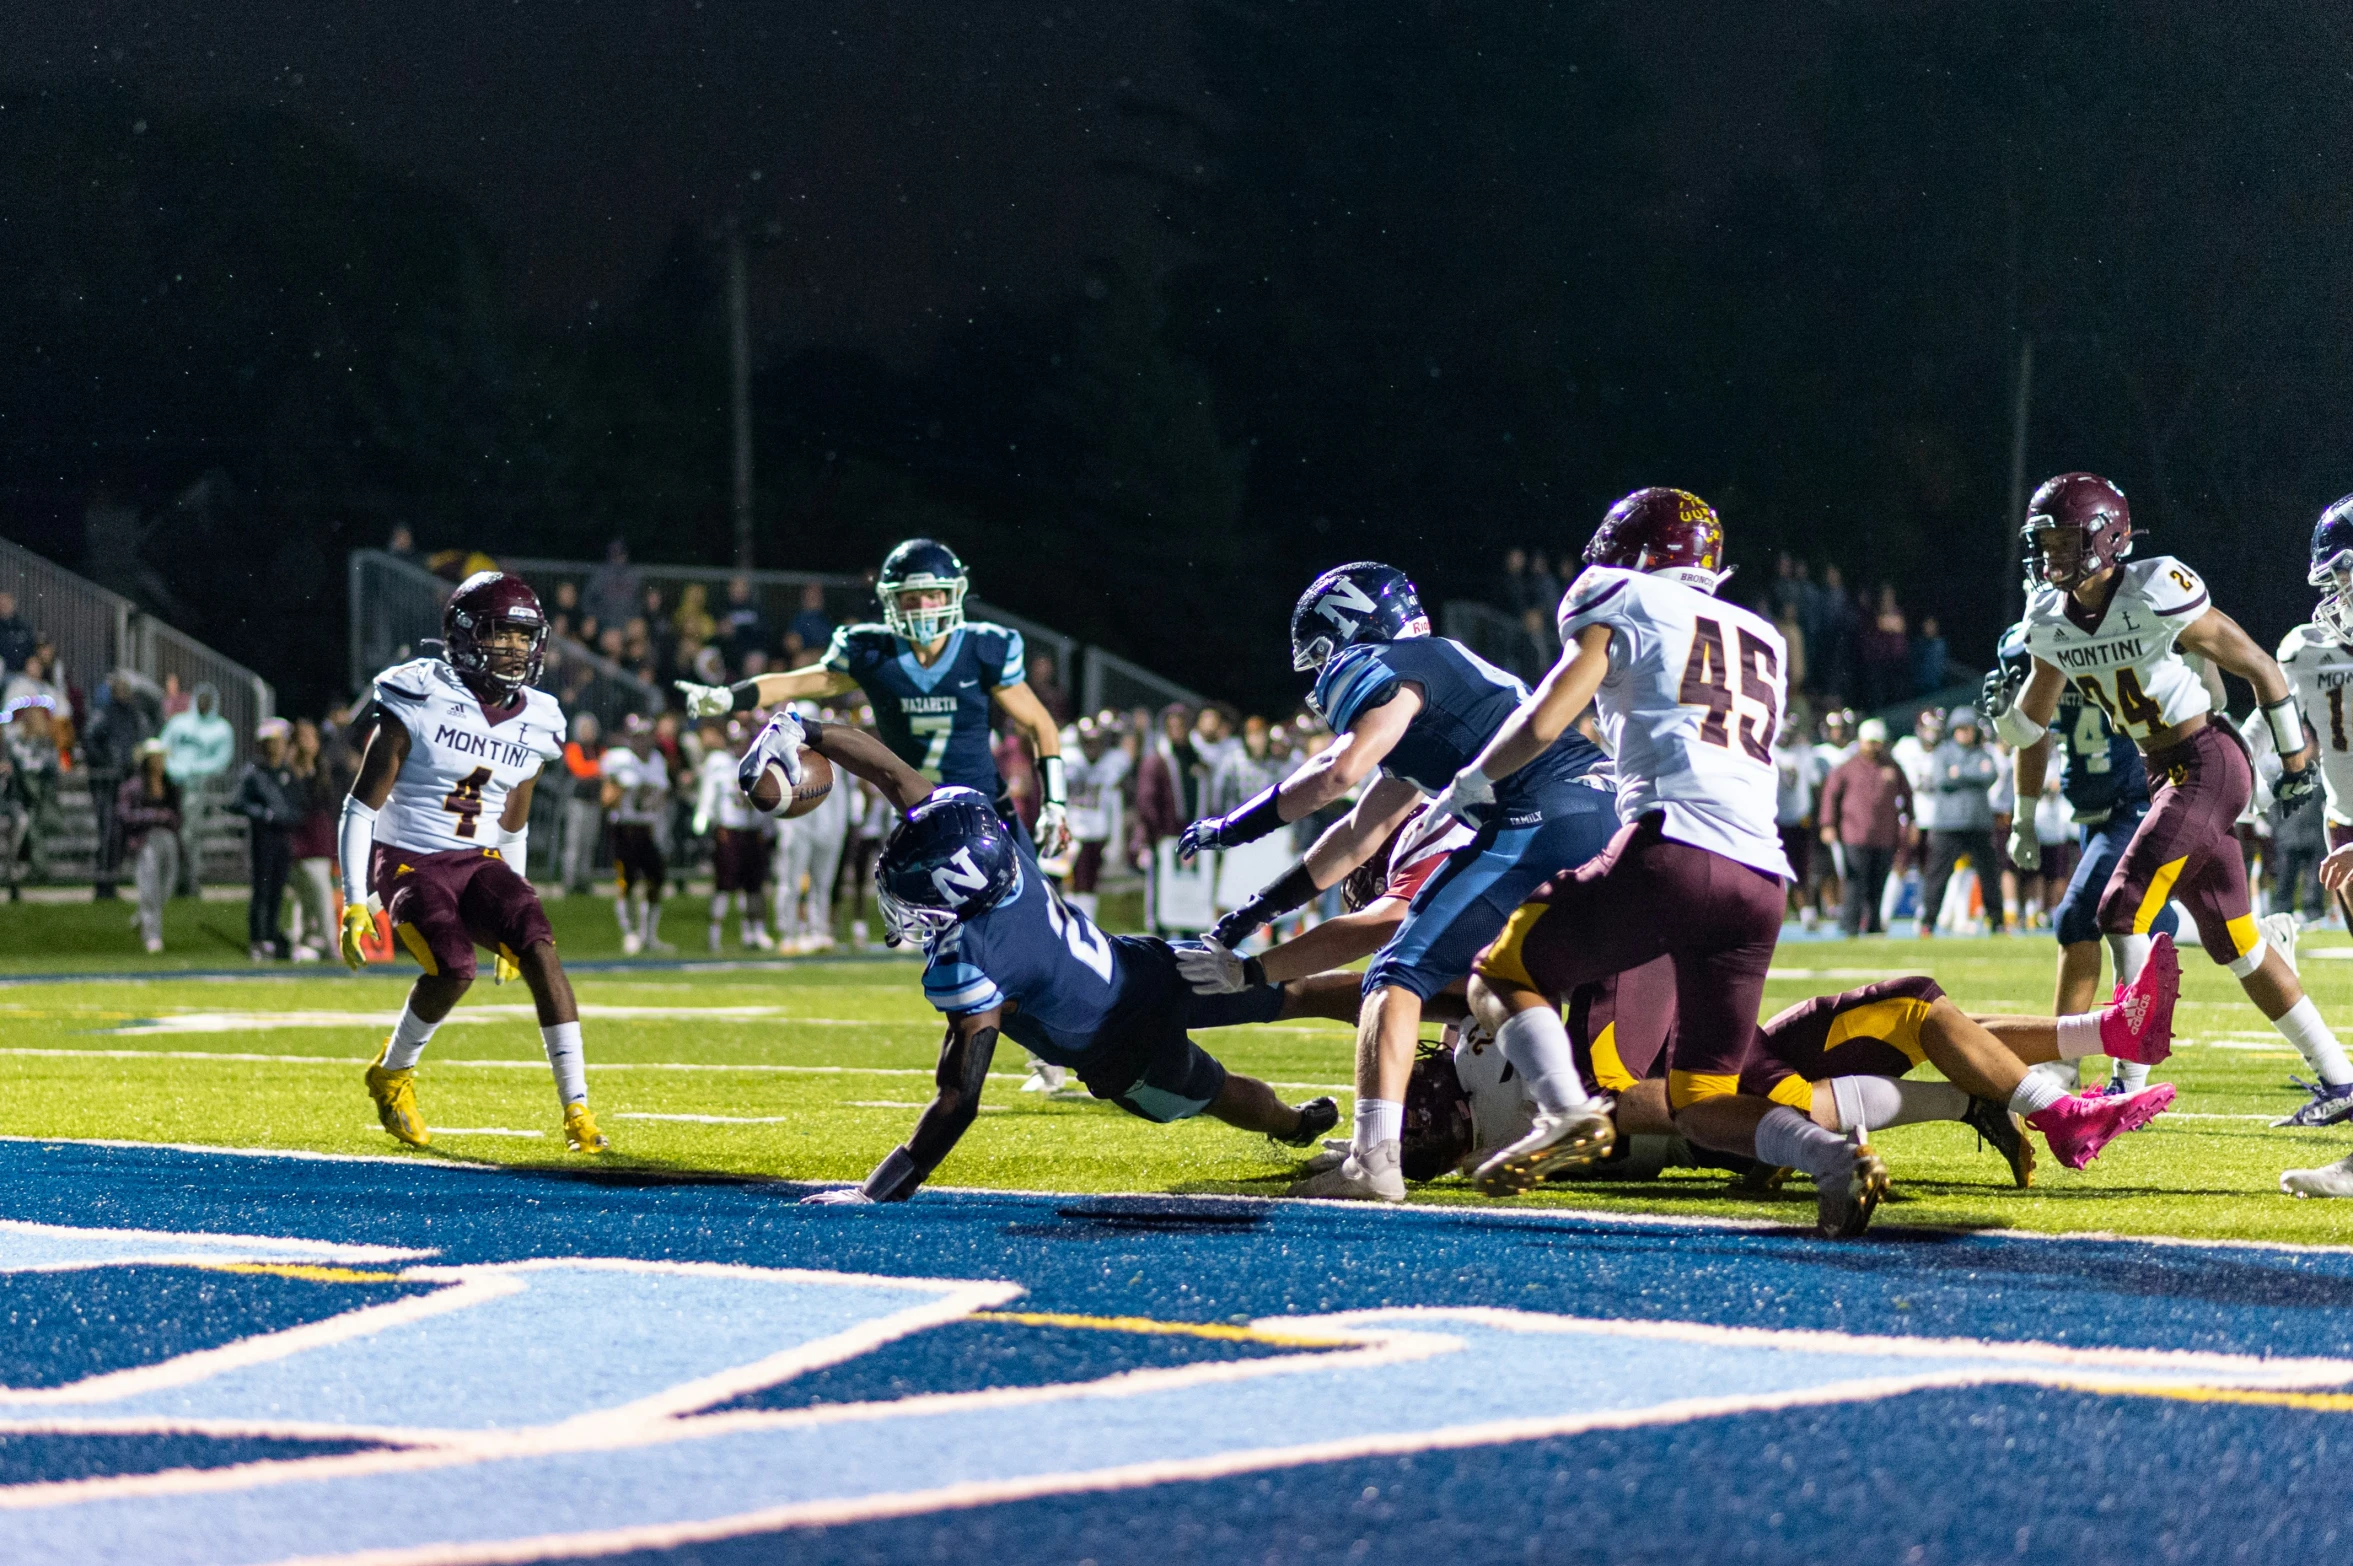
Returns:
point(1661, 530)
point(482, 603)
point(2087, 509)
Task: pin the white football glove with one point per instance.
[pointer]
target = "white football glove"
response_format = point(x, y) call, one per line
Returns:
point(2026, 849)
point(706, 701)
point(1470, 789)
point(1052, 835)
point(780, 742)
point(1210, 969)
point(702, 823)
point(847, 1196)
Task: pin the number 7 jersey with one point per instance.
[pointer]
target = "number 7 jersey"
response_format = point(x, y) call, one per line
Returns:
point(1690, 707)
point(461, 766)
point(2123, 659)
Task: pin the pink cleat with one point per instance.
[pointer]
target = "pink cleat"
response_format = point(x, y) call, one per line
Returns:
point(2078, 1128)
point(2138, 1024)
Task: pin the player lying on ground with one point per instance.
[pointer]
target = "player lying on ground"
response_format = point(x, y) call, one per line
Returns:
point(1005, 958)
point(2115, 629)
point(435, 831)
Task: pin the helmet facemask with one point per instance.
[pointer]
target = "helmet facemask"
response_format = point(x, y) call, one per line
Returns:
point(924, 624)
point(904, 922)
point(2334, 613)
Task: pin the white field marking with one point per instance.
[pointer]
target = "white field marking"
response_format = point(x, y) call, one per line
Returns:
point(2275, 1047)
point(175, 1248)
point(534, 1064)
point(1840, 973)
point(706, 1120)
point(2183, 1114)
point(908, 1103)
point(2106, 1376)
point(265, 1021)
point(128, 1145)
point(475, 1131)
point(474, 1288)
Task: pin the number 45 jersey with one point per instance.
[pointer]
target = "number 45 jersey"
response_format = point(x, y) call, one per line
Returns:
point(2320, 670)
point(461, 765)
point(1690, 707)
point(2122, 656)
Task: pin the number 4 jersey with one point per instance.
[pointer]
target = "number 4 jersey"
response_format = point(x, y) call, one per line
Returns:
point(1690, 707)
point(2122, 657)
point(2319, 668)
point(461, 765)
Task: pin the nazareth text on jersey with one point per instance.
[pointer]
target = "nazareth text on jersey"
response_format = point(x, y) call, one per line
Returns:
point(461, 765)
point(936, 718)
point(1690, 706)
point(2122, 656)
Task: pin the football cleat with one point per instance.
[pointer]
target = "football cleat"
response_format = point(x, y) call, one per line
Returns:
point(2328, 1180)
point(2138, 1024)
point(2326, 1107)
point(395, 1093)
point(1370, 1176)
point(1994, 1124)
point(1555, 1142)
point(580, 1132)
point(1046, 1077)
point(1843, 1204)
point(1335, 1154)
point(2280, 931)
point(2078, 1128)
point(1316, 1116)
point(629, 943)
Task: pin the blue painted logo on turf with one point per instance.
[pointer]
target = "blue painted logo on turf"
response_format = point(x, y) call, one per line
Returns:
point(552, 1406)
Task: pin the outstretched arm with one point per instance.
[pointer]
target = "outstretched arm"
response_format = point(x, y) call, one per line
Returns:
point(1328, 775)
point(868, 757)
point(2219, 638)
point(963, 1071)
point(1549, 710)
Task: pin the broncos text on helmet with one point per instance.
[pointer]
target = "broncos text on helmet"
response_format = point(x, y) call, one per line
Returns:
point(919, 565)
point(950, 859)
point(1670, 532)
point(1361, 602)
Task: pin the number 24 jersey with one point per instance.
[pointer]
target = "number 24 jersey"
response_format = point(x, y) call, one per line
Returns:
point(1691, 705)
point(453, 787)
point(2125, 660)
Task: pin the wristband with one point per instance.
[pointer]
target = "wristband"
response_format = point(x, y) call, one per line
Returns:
point(1050, 776)
point(810, 730)
point(1253, 972)
point(2016, 729)
point(355, 837)
point(895, 1178)
point(2287, 726)
point(746, 694)
point(1292, 889)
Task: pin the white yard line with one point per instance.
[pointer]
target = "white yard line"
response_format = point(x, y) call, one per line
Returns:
point(705, 1120)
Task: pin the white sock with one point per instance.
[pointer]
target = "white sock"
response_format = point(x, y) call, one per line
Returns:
point(1537, 1045)
point(2079, 1036)
point(1378, 1120)
point(562, 1041)
point(2303, 1028)
point(653, 923)
point(2036, 1093)
point(409, 1036)
point(1865, 1102)
point(621, 913)
point(2129, 953)
point(1790, 1140)
point(2133, 1074)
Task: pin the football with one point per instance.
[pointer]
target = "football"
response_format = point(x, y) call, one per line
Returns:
point(816, 783)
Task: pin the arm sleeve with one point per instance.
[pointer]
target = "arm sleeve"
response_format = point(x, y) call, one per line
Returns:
point(354, 845)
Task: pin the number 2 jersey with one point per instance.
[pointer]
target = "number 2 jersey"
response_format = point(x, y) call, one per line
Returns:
point(1690, 706)
point(2319, 670)
point(1059, 978)
point(461, 764)
point(2122, 656)
point(936, 718)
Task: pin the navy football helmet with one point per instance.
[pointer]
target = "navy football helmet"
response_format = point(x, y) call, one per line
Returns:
point(950, 859)
point(2332, 569)
point(1363, 602)
point(918, 565)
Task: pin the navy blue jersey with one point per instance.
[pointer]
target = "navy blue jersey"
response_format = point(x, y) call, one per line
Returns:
point(936, 720)
point(1464, 701)
point(1062, 977)
point(2103, 767)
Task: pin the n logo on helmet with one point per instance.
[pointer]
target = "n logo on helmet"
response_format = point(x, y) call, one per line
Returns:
point(1345, 595)
point(958, 879)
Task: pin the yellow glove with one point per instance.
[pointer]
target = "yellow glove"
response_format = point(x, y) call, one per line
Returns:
point(358, 926)
point(504, 968)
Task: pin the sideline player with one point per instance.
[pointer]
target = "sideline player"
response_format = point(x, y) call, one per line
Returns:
point(739, 839)
point(933, 678)
point(2116, 629)
point(442, 800)
point(2107, 789)
point(1005, 957)
point(1416, 707)
point(637, 795)
point(1689, 690)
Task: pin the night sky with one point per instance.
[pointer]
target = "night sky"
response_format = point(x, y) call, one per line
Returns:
point(923, 159)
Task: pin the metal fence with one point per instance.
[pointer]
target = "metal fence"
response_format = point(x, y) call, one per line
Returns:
point(396, 610)
point(1114, 682)
point(1495, 636)
point(97, 632)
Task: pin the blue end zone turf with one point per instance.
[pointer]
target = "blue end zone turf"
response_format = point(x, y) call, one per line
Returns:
point(709, 1372)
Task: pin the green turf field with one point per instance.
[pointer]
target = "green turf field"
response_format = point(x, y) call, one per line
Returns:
point(812, 1070)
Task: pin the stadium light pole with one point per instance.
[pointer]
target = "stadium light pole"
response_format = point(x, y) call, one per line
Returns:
point(739, 385)
point(2020, 407)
